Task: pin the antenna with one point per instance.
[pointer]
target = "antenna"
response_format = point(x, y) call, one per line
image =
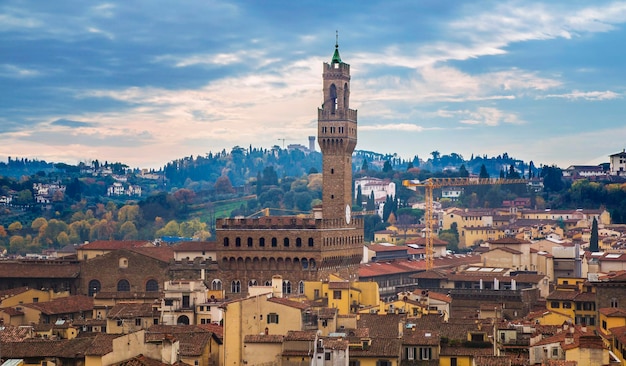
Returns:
point(336, 39)
point(283, 140)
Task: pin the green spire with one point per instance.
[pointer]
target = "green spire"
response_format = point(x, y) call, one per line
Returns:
point(336, 57)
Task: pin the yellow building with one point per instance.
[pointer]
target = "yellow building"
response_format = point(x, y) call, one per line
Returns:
point(25, 295)
point(347, 297)
point(472, 235)
point(261, 314)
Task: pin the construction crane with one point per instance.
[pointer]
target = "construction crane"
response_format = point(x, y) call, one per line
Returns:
point(430, 184)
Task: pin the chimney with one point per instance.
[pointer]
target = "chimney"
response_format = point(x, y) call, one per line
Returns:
point(277, 286)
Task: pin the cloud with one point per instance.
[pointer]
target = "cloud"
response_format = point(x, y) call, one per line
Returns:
point(69, 123)
point(591, 96)
point(405, 127)
point(483, 116)
point(17, 72)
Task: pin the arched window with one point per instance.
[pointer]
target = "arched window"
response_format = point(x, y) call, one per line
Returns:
point(249, 242)
point(301, 287)
point(298, 242)
point(310, 242)
point(312, 263)
point(286, 287)
point(238, 242)
point(94, 287)
point(268, 283)
point(333, 99)
point(216, 285)
point(274, 242)
point(123, 286)
point(182, 320)
point(235, 287)
point(346, 95)
point(262, 242)
point(226, 242)
point(252, 283)
point(305, 263)
point(152, 286)
point(286, 242)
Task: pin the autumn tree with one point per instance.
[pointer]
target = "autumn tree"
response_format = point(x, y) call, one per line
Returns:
point(15, 227)
point(223, 185)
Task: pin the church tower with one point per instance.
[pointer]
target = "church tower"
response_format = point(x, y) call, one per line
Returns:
point(337, 135)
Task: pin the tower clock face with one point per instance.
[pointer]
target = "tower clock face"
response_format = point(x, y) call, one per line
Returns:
point(348, 214)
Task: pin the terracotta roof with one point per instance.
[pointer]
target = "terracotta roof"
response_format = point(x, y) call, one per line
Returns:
point(505, 249)
point(301, 335)
point(562, 295)
point(420, 337)
point(11, 311)
point(509, 240)
point(384, 268)
point(216, 329)
point(440, 297)
point(192, 339)
point(132, 311)
point(10, 333)
point(381, 326)
point(39, 269)
point(263, 338)
point(387, 248)
point(379, 347)
point(586, 296)
point(97, 345)
point(12, 292)
point(422, 241)
point(64, 305)
point(613, 312)
point(162, 253)
point(140, 360)
point(114, 244)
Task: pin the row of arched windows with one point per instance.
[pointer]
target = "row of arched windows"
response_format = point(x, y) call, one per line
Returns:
point(286, 242)
point(256, 263)
point(122, 286)
point(342, 240)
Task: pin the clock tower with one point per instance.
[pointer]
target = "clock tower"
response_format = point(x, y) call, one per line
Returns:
point(337, 135)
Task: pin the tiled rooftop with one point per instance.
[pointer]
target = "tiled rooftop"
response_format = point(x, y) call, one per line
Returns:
point(64, 305)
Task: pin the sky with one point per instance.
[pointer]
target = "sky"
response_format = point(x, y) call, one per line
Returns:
point(146, 82)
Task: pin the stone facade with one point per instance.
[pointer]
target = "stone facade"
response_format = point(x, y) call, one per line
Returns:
point(251, 251)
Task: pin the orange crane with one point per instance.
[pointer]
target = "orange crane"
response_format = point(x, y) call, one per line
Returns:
point(430, 184)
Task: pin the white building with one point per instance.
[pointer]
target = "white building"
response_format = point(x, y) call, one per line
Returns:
point(618, 163)
point(381, 189)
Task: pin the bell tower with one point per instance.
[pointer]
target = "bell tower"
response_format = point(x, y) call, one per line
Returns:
point(337, 135)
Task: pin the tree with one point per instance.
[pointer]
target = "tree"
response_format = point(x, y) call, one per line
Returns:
point(38, 223)
point(128, 213)
point(387, 167)
point(593, 241)
point(171, 229)
point(223, 185)
point(483, 172)
point(359, 196)
point(463, 173)
point(364, 166)
point(15, 226)
point(128, 231)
